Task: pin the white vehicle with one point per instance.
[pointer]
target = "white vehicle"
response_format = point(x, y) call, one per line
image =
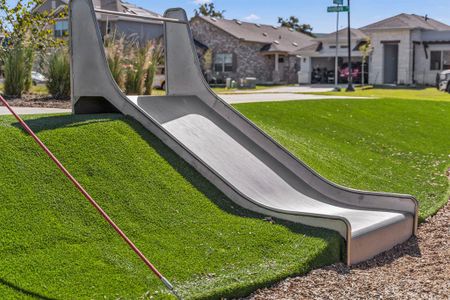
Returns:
point(160, 78)
point(443, 81)
point(38, 78)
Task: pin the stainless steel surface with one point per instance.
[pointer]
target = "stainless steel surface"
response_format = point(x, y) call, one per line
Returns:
point(230, 151)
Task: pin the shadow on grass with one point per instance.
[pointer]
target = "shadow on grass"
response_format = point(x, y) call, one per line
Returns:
point(24, 291)
point(399, 87)
point(335, 244)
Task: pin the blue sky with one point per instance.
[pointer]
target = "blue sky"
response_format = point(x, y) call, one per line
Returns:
point(310, 11)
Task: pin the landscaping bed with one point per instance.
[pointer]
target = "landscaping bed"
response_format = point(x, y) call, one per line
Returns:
point(418, 269)
point(39, 101)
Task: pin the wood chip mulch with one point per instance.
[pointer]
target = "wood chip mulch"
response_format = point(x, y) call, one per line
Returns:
point(39, 101)
point(417, 269)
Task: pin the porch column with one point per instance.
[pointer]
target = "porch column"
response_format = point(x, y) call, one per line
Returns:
point(277, 65)
point(276, 72)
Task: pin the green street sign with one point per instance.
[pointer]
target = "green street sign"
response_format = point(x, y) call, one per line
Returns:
point(338, 2)
point(335, 9)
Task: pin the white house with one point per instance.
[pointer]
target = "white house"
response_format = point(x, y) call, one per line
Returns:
point(406, 49)
point(320, 54)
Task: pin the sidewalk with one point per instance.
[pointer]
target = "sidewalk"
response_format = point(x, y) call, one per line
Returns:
point(33, 110)
point(275, 97)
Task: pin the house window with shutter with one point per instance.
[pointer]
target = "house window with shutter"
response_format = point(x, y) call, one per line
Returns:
point(223, 62)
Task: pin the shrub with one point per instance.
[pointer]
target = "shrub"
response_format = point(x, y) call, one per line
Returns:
point(115, 51)
point(136, 71)
point(18, 62)
point(155, 61)
point(58, 74)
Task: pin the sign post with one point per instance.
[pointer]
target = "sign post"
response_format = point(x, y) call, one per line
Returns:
point(350, 87)
point(337, 9)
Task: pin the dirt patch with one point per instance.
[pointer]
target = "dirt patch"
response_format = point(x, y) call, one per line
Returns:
point(39, 101)
point(417, 269)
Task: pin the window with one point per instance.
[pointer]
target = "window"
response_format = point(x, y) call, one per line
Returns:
point(332, 46)
point(446, 60)
point(223, 62)
point(61, 29)
point(435, 58)
point(281, 60)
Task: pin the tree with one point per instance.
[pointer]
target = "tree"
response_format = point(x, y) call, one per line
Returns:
point(26, 34)
point(209, 10)
point(294, 23)
point(365, 49)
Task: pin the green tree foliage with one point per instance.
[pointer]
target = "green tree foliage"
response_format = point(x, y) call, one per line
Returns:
point(209, 10)
point(294, 23)
point(27, 34)
point(365, 49)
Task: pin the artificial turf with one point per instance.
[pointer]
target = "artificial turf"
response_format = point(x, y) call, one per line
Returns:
point(54, 245)
point(389, 145)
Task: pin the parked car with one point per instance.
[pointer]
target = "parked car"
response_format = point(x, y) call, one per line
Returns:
point(38, 78)
point(443, 81)
point(160, 78)
point(356, 72)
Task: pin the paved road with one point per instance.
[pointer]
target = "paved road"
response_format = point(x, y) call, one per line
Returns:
point(33, 110)
point(316, 88)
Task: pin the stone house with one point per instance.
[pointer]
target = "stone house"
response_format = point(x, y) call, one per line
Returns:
point(242, 49)
point(406, 49)
point(131, 27)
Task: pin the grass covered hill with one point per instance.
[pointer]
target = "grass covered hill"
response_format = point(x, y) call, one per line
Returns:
point(54, 245)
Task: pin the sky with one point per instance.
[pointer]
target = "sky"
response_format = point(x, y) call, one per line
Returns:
point(313, 12)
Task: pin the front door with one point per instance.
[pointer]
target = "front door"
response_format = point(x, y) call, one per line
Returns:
point(390, 63)
point(281, 65)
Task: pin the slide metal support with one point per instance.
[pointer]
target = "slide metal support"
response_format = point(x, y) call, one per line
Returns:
point(90, 199)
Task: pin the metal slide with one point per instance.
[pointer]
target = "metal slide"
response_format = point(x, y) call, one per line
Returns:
point(226, 148)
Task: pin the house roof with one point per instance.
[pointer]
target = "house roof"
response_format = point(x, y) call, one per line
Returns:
point(136, 10)
point(315, 45)
point(407, 21)
point(356, 34)
point(433, 36)
point(117, 5)
point(277, 39)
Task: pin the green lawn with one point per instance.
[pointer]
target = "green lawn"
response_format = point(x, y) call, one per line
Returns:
point(387, 145)
point(39, 89)
point(54, 245)
point(397, 93)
